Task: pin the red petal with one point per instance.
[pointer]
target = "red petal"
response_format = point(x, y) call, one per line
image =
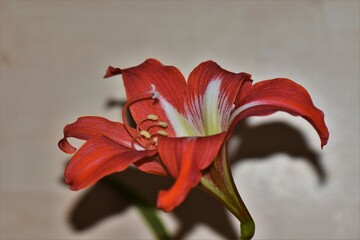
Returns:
point(97, 158)
point(111, 71)
point(185, 158)
point(152, 166)
point(202, 82)
point(280, 94)
point(87, 127)
point(168, 82)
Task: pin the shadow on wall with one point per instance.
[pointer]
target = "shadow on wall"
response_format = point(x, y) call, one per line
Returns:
point(102, 201)
point(271, 138)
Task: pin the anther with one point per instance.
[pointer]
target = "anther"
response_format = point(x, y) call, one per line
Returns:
point(155, 139)
point(162, 132)
point(152, 117)
point(145, 134)
point(162, 124)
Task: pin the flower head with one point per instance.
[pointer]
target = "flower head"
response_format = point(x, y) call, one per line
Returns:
point(181, 127)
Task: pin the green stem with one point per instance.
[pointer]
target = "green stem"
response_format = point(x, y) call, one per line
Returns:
point(148, 212)
point(218, 181)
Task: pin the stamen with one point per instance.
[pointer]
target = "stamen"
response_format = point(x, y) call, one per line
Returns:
point(153, 141)
point(162, 132)
point(127, 105)
point(163, 124)
point(158, 124)
point(149, 144)
point(145, 134)
point(152, 94)
point(152, 117)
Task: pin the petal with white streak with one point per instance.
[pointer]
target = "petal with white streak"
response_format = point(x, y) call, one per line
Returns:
point(280, 94)
point(213, 91)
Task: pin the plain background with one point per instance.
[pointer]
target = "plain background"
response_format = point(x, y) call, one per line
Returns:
point(53, 57)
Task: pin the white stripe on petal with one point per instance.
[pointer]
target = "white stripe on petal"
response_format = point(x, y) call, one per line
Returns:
point(194, 113)
point(210, 113)
point(181, 125)
point(211, 107)
point(243, 108)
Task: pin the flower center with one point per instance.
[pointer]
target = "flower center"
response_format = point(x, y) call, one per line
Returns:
point(149, 128)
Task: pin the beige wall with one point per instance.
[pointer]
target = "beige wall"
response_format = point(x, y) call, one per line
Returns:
point(53, 56)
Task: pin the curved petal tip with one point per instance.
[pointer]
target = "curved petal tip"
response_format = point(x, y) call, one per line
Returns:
point(111, 71)
point(66, 147)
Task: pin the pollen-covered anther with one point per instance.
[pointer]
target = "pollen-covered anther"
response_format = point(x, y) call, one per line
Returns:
point(145, 134)
point(162, 132)
point(163, 124)
point(152, 117)
point(157, 124)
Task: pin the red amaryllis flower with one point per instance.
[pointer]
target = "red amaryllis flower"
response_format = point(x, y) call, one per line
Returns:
point(181, 129)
